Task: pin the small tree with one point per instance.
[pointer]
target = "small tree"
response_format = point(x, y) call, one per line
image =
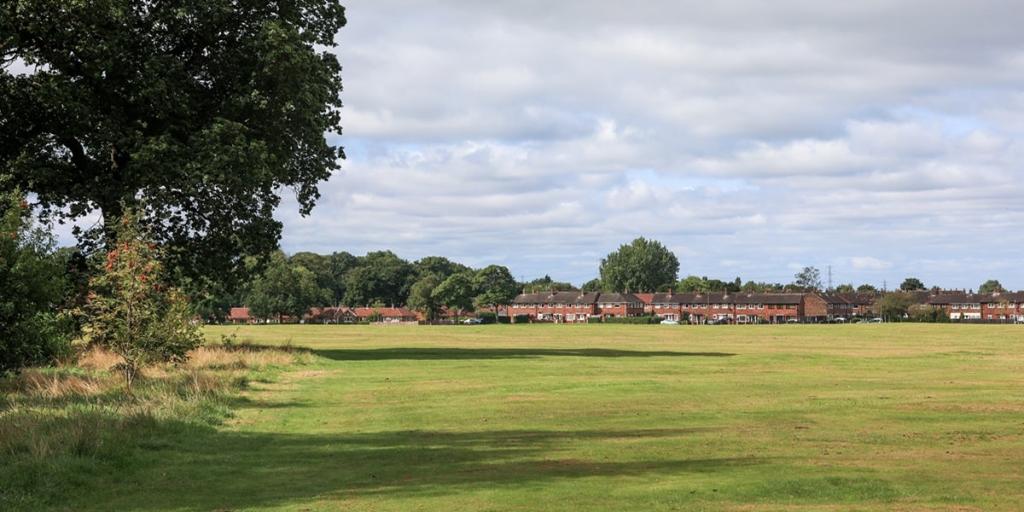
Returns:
point(893, 306)
point(285, 289)
point(132, 311)
point(808, 279)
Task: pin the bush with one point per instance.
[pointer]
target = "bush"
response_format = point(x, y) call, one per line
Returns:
point(32, 286)
point(635, 320)
point(522, 319)
point(131, 309)
point(488, 317)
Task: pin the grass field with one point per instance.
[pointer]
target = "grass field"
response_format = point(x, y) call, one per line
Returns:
point(861, 417)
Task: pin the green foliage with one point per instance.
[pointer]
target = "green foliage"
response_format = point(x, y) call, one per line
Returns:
point(494, 286)
point(132, 311)
point(285, 289)
point(991, 286)
point(641, 266)
point(808, 279)
point(845, 288)
point(32, 286)
point(866, 288)
point(545, 284)
point(381, 277)
point(695, 284)
point(912, 284)
point(422, 298)
point(594, 285)
point(893, 307)
point(927, 314)
point(437, 265)
point(203, 110)
point(456, 292)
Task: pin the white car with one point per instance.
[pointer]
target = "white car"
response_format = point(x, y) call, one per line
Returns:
point(472, 321)
point(875, 321)
point(669, 322)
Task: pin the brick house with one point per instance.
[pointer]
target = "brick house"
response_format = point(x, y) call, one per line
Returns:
point(993, 307)
point(558, 307)
point(388, 315)
point(240, 315)
point(330, 315)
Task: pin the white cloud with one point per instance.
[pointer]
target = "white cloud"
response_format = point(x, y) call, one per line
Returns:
point(543, 134)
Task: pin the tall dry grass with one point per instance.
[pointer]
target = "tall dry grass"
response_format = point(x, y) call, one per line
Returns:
point(82, 410)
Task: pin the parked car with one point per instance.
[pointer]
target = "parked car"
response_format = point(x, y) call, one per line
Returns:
point(839, 320)
point(793, 321)
point(875, 321)
point(472, 321)
point(669, 322)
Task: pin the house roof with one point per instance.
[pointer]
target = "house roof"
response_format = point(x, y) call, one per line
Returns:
point(618, 298)
point(241, 313)
point(366, 312)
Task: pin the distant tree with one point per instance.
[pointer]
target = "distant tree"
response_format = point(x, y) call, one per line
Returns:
point(545, 283)
point(319, 265)
point(693, 284)
point(457, 292)
point(594, 285)
point(867, 288)
point(284, 289)
point(495, 287)
point(808, 279)
point(340, 263)
point(845, 288)
point(422, 298)
point(912, 284)
point(991, 286)
point(131, 309)
point(642, 265)
point(32, 287)
point(893, 307)
point(926, 313)
point(196, 114)
point(437, 265)
point(381, 277)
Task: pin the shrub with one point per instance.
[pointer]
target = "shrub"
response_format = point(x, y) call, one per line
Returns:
point(486, 317)
point(131, 309)
point(522, 319)
point(32, 286)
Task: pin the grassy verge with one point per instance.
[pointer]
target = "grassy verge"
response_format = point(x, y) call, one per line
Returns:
point(73, 425)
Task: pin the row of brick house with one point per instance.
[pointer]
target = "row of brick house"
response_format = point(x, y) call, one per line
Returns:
point(715, 307)
point(331, 315)
point(990, 307)
point(700, 308)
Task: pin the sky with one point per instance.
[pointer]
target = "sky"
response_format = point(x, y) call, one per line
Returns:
point(882, 138)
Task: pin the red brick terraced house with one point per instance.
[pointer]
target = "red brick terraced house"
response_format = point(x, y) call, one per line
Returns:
point(240, 316)
point(615, 305)
point(558, 307)
point(330, 315)
point(388, 315)
point(739, 308)
point(994, 307)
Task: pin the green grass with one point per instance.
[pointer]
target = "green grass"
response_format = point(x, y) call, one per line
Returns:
point(591, 417)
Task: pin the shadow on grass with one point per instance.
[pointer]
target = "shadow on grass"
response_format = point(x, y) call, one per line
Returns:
point(383, 354)
point(228, 471)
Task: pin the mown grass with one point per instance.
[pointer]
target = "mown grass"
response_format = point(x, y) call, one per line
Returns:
point(535, 417)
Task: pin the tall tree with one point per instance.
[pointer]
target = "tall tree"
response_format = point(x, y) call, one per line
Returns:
point(381, 278)
point(544, 284)
point(845, 288)
point(457, 292)
point(437, 265)
point(422, 298)
point(640, 266)
point(991, 286)
point(912, 284)
point(196, 113)
point(867, 288)
point(594, 285)
point(495, 287)
point(284, 289)
point(808, 279)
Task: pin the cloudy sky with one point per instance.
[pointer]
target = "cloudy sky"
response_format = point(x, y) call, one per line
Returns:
point(883, 138)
